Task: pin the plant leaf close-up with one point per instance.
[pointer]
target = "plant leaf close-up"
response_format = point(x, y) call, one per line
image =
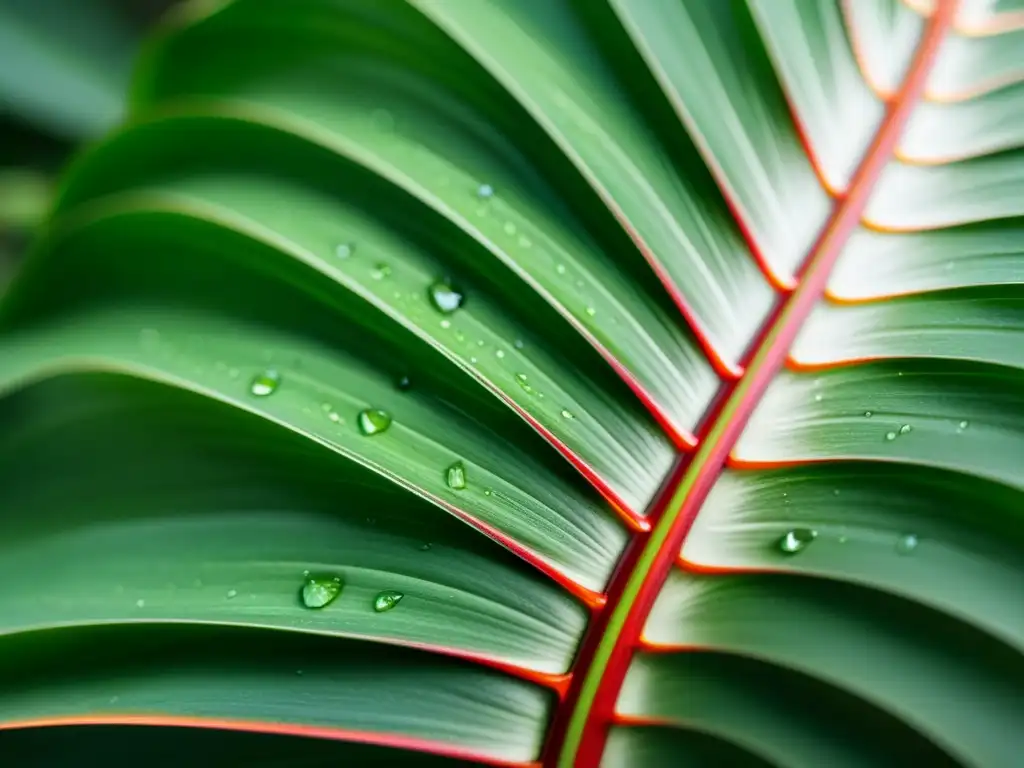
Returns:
point(561, 383)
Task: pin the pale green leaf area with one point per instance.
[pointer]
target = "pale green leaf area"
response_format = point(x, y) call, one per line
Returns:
point(813, 57)
point(884, 34)
point(726, 93)
point(224, 359)
point(778, 717)
point(220, 519)
point(953, 685)
point(957, 417)
point(570, 91)
point(968, 65)
point(407, 126)
point(678, 747)
point(244, 676)
point(981, 325)
point(942, 131)
point(946, 541)
point(877, 265)
point(172, 747)
point(64, 65)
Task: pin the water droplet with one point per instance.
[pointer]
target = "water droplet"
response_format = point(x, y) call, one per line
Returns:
point(835, 491)
point(907, 544)
point(140, 603)
point(843, 538)
point(510, 228)
point(485, 191)
point(344, 250)
point(890, 435)
point(404, 383)
point(265, 383)
point(488, 492)
point(867, 414)
point(320, 591)
point(444, 297)
point(386, 600)
point(817, 397)
point(964, 424)
point(499, 353)
point(797, 540)
point(232, 593)
point(518, 344)
point(446, 324)
point(560, 269)
point(472, 361)
point(373, 421)
point(334, 416)
point(521, 380)
point(380, 271)
point(455, 476)
point(425, 547)
point(905, 429)
point(567, 414)
point(590, 311)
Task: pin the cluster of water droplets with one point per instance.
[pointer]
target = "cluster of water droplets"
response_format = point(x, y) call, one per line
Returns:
point(320, 590)
point(796, 540)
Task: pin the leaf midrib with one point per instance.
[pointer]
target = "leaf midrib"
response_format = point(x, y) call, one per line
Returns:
point(590, 705)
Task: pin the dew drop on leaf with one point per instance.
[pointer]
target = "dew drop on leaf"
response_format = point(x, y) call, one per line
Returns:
point(444, 297)
point(334, 416)
point(796, 540)
point(907, 543)
point(386, 600)
point(499, 353)
point(404, 383)
point(485, 191)
point(964, 424)
point(232, 593)
point(344, 250)
point(890, 435)
point(522, 381)
point(867, 414)
point(518, 344)
point(591, 311)
point(426, 547)
point(510, 228)
point(265, 383)
point(455, 476)
point(140, 603)
point(905, 429)
point(320, 591)
point(373, 421)
point(567, 414)
point(380, 271)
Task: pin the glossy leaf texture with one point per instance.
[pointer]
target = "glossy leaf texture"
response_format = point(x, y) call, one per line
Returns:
point(528, 383)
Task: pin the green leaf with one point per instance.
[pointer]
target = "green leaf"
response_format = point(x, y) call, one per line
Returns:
point(65, 65)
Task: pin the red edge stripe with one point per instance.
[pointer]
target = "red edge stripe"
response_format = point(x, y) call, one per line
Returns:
point(394, 740)
point(769, 355)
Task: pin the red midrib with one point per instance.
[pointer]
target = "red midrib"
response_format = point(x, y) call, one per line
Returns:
point(727, 422)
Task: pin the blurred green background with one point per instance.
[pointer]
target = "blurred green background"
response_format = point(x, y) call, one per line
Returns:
point(64, 72)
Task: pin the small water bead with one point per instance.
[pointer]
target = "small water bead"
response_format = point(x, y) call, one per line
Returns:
point(590, 311)
point(510, 228)
point(446, 324)
point(455, 476)
point(320, 591)
point(907, 543)
point(835, 491)
point(344, 250)
point(499, 353)
point(426, 547)
point(905, 429)
point(890, 435)
point(140, 603)
point(380, 271)
point(817, 397)
point(232, 593)
point(485, 191)
point(386, 600)
point(867, 414)
point(522, 381)
point(404, 383)
point(964, 424)
point(265, 383)
point(518, 344)
point(560, 269)
point(444, 297)
point(796, 540)
point(373, 421)
point(567, 414)
point(334, 416)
